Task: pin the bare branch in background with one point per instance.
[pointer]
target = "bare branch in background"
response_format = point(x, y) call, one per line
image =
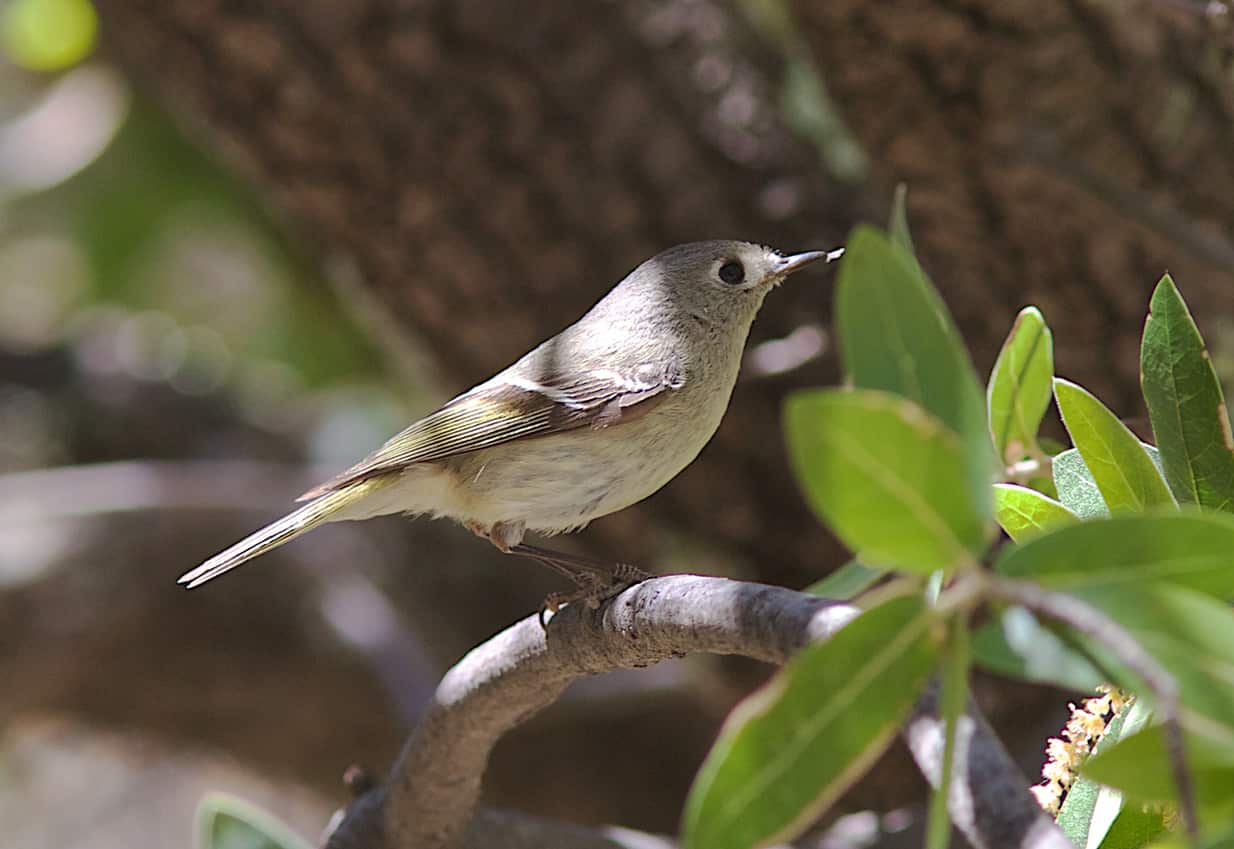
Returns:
point(137, 485)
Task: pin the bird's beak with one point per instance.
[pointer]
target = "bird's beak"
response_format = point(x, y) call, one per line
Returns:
point(786, 265)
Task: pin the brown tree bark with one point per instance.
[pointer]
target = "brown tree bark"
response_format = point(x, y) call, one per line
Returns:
point(1063, 153)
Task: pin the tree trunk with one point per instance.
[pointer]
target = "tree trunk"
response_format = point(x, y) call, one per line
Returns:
point(1062, 153)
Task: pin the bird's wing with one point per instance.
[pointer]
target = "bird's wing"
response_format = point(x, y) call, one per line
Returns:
point(512, 407)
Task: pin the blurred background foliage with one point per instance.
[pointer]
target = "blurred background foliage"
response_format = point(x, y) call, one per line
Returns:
point(126, 245)
point(150, 309)
point(153, 309)
point(230, 265)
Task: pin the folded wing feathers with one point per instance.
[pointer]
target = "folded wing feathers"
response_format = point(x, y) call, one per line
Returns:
point(508, 408)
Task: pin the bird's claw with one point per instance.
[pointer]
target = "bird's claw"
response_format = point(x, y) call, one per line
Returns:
point(593, 589)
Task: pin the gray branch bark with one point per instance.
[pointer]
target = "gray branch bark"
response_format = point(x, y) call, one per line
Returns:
point(430, 796)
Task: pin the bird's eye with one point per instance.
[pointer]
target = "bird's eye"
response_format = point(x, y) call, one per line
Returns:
point(732, 273)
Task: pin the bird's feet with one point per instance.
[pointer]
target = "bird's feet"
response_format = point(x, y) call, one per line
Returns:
point(595, 580)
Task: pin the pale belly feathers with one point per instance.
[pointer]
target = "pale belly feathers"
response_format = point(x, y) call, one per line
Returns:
point(552, 484)
point(561, 482)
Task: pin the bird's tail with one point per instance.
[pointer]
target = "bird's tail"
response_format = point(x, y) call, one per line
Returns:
point(329, 507)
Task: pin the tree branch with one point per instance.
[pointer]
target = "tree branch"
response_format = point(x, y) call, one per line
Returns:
point(508, 829)
point(430, 795)
point(988, 799)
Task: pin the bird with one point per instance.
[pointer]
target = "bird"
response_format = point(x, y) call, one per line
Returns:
point(593, 420)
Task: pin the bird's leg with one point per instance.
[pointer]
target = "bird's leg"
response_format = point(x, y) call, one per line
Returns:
point(595, 580)
point(583, 570)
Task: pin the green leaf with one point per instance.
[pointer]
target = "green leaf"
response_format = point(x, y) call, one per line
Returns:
point(897, 227)
point(896, 335)
point(1077, 490)
point(226, 822)
point(1050, 445)
point(1117, 823)
point(1192, 636)
point(1076, 817)
point(792, 748)
point(1019, 387)
point(887, 477)
point(1194, 550)
point(1133, 828)
point(1025, 512)
point(1077, 809)
point(47, 35)
point(1125, 474)
point(1019, 646)
point(1223, 838)
point(1137, 766)
point(847, 582)
point(1185, 404)
point(956, 663)
point(1044, 485)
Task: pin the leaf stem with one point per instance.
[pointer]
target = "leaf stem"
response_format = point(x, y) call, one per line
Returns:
point(954, 699)
point(1040, 466)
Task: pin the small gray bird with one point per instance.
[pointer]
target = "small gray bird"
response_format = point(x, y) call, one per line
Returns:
point(593, 420)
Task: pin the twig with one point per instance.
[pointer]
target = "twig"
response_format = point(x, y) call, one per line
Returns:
point(988, 798)
point(1214, 13)
point(430, 795)
point(1025, 470)
point(1121, 643)
point(136, 485)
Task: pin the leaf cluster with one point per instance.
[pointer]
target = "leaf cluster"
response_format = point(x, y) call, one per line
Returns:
point(1117, 563)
